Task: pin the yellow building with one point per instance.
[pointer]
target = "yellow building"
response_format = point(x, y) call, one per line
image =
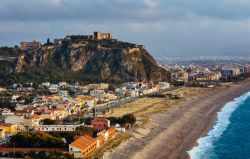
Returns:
point(87, 100)
point(2, 133)
point(11, 129)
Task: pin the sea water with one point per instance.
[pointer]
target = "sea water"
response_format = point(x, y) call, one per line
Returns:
point(230, 136)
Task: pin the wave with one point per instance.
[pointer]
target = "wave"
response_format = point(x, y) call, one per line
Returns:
point(205, 147)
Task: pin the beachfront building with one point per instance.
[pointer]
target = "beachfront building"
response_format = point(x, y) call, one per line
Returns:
point(83, 146)
point(107, 133)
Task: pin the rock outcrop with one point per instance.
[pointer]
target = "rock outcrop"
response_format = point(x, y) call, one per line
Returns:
point(89, 61)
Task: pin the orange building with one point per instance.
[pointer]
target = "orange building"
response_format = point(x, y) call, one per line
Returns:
point(83, 146)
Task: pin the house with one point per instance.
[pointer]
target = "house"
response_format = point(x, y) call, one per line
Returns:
point(163, 85)
point(11, 129)
point(46, 84)
point(59, 113)
point(100, 123)
point(97, 93)
point(53, 88)
point(2, 133)
point(83, 146)
point(109, 97)
point(14, 99)
point(6, 112)
point(31, 122)
point(87, 100)
point(25, 112)
point(13, 119)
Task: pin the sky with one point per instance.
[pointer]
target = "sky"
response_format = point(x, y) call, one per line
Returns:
point(165, 27)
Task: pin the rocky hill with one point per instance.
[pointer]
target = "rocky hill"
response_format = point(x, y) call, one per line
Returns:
point(106, 60)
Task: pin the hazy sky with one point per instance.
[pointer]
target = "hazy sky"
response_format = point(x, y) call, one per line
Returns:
point(165, 27)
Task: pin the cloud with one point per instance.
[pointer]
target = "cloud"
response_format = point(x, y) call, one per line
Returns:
point(150, 3)
point(164, 26)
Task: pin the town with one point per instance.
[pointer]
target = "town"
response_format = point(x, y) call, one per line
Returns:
point(71, 117)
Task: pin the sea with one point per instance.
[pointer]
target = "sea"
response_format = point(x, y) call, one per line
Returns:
point(230, 136)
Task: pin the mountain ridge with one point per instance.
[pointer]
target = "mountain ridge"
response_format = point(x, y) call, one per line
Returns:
point(91, 60)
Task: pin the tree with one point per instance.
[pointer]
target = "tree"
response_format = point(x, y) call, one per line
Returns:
point(48, 122)
point(34, 139)
point(129, 118)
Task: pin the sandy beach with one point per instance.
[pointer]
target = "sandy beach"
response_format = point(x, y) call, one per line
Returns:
point(172, 131)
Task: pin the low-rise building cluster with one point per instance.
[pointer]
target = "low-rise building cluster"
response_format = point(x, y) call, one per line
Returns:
point(206, 75)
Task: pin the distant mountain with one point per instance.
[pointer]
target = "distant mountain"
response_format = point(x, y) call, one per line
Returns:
point(106, 60)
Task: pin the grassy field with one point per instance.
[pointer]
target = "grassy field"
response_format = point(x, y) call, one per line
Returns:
point(143, 107)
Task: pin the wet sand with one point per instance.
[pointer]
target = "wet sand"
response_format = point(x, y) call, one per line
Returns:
point(170, 134)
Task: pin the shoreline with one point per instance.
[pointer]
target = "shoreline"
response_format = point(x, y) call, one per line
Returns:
point(174, 132)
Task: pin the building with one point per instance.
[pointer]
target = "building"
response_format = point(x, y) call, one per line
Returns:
point(30, 122)
point(2, 133)
point(83, 146)
point(30, 45)
point(13, 119)
point(87, 100)
point(56, 127)
point(100, 123)
point(100, 35)
point(25, 112)
point(232, 71)
point(107, 133)
point(6, 112)
point(11, 129)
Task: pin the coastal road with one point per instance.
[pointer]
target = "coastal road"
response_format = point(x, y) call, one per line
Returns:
point(117, 103)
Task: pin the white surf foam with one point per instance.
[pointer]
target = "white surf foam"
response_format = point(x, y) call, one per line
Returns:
point(205, 147)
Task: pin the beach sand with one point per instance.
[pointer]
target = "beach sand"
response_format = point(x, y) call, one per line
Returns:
point(171, 133)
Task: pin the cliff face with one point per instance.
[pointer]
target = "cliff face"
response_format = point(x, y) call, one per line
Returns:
point(91, 61)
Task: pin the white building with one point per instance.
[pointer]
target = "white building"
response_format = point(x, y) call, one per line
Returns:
point(56, 127)
point(53, 88)
point(13, 119)
point(98, 93)
point(6, 112)
point(46, 84)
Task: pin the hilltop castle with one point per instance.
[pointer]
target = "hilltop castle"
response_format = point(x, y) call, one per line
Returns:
point(100, 35)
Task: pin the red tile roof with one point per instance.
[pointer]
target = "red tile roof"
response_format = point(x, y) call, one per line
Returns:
point(83, 142)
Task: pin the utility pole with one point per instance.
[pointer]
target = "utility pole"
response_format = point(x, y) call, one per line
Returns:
point(14, 150)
